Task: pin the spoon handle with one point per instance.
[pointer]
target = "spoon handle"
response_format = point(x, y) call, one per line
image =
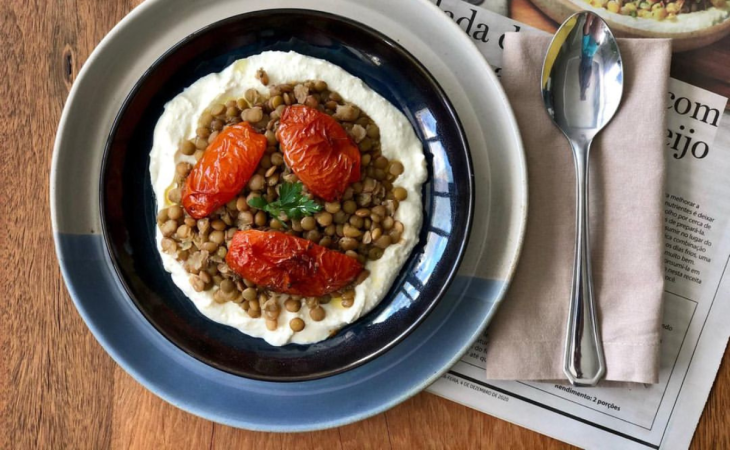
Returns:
point(583, 362)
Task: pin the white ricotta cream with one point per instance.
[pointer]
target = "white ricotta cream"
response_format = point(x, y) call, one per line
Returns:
point(398, 141)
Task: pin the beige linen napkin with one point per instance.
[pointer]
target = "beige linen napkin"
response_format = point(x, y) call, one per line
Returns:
point(626, 219)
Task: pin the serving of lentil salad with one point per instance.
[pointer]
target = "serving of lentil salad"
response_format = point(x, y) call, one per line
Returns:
point(656, 9)
point(360, 223)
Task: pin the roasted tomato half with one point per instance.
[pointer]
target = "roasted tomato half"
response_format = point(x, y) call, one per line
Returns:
point(225, 168)
point(289, 264)
point(319, 151)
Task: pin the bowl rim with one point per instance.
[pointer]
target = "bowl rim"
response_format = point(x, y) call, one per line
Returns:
point(449, 108)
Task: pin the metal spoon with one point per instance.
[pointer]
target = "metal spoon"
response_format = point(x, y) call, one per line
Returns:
point(582, 84)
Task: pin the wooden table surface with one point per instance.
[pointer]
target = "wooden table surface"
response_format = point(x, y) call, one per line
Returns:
point(58, 388)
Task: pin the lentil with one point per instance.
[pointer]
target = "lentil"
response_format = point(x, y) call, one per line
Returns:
point(292, 305)
point(296, 324)
point(317, 314)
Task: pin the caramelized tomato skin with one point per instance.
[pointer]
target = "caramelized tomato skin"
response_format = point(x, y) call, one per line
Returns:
point(319, 151)
point(289, 264)
point(225, 168)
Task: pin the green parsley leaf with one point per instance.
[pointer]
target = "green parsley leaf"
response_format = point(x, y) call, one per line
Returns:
point(257, 202)
point(291, 202)
point(289, 193)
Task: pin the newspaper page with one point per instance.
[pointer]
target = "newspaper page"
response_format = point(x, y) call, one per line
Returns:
point(697, 291)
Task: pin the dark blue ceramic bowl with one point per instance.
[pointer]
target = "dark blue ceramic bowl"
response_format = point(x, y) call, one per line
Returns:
point(128, 203)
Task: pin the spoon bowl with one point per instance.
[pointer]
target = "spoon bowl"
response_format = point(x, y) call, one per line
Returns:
point(582, 85)
point(582, 77)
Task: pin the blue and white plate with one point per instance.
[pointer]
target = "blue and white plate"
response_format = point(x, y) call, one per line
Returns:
point(413, 362)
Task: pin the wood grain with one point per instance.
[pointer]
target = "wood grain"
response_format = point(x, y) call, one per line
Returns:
point(58, 389)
